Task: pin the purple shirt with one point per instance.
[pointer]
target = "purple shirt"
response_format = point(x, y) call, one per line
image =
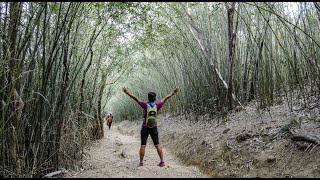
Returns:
point(144, 105)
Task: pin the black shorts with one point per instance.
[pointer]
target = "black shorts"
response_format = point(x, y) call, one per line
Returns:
point(145, 131)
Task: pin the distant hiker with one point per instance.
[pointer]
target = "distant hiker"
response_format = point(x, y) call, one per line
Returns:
point(149, 124)
point(109, 119)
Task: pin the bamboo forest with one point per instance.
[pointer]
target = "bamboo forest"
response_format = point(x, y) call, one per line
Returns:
point(239, 83)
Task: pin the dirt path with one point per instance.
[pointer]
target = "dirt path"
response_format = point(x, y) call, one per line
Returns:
point(117, 156)
point(247, 143)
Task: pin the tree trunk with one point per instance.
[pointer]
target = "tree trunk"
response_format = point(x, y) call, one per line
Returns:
point(231, 37)
point(99, 111)
point(82, 84)
point(61, 117)
point(13, 110)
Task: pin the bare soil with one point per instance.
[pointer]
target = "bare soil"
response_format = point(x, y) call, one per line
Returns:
point(117, 156)
point(246, 143)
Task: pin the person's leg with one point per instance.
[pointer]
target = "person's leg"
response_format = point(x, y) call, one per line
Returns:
point(160, 152)
point(144, 137)
point(110, 124)
point(155, 139)
point(142, 152)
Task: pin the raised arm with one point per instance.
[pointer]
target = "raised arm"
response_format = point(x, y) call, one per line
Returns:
point(125, 90)
point(169, 96)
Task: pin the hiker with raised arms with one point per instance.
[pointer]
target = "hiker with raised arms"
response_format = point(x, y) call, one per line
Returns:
point(149, 124)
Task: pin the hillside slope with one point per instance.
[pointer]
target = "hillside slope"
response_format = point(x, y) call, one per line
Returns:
point(246, 143)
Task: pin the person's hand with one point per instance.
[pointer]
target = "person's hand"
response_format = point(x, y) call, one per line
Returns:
point(125, 90)
point(175, 91)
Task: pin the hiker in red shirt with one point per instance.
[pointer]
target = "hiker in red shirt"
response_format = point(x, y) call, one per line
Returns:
point(109, 119)
point(149, 124)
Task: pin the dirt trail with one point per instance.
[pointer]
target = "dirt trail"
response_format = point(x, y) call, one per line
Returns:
point(248, 143)
point(117, 156)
